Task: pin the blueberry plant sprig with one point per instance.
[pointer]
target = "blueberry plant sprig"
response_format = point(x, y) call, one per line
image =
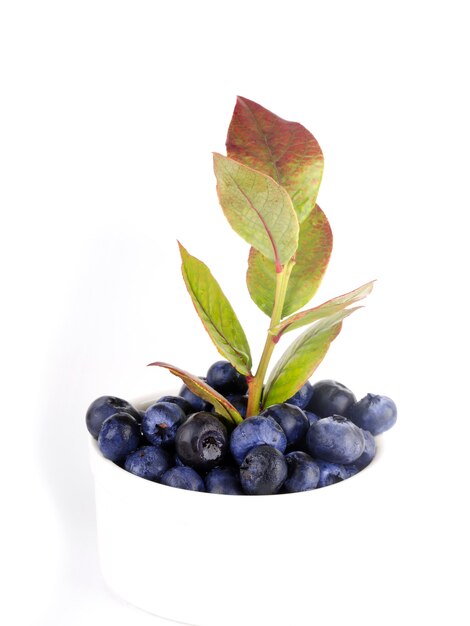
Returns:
point(267, 187)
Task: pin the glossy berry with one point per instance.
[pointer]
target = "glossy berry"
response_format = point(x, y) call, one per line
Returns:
point(330, 398)
point(330, 473)
point(119, 436)
point(239, 402)
point(225, 379)
point(149, 462)
point(196, 403)
point(160, 423)
point(181, 402)
point(254, 431)
point(368, 454)
point(177, 462)
point(312, 417)
point(202, 441)
point(302, 397)
point(335, 439)
point(263, 471)
point(291, 419)
point(223, 480)
point(183, 478)
point(374, 413)
point(303, 472)
point(104, 407)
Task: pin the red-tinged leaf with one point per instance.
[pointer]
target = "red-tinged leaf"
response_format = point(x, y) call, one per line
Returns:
point(223, 407)
point(326, 309)
point(216, 312)
point(284, 150)
point(258, 209)
point(302, 358)
point(312, 256)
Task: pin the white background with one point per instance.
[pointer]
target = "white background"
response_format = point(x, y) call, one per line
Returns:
point(109, 114)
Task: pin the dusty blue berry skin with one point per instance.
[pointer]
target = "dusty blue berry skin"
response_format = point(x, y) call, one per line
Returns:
point(367, 456)
point(302, 397)
point(202, 441)
point(330, 398)
point(224, 480)
point(255, 431)
point(291, 419)
point(149, 462)
point(239, 402)
point(197, 403)
point(183, 478)
point(181, 402)
point(330, 473)
point(263, 471)
point(335, 439)
point(119, 436)
point(374, 413)
point(160, 423)
point(303, 472)
point(225, 379)
point(312, 417)
point(102, 408)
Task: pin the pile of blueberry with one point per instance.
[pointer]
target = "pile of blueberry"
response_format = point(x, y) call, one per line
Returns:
point(321, 436)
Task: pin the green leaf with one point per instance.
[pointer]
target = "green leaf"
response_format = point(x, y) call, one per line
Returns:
point(216, 313)
point(302, 358)
point(258, 209)
point(284, 150)
point(323, 310)
point(312, 256)
point(223, 407)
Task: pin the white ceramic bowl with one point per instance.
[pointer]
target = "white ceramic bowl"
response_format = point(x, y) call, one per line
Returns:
point(215, 560)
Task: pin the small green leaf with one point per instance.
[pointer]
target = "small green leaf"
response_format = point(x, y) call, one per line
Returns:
point(258, 209)
point(323, 310)
point(284, 150)
point(302, 358)
point(223, 407)
point(216, 313)
point(312, 256)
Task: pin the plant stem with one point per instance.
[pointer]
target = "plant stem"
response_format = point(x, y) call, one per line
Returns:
point(256, 383)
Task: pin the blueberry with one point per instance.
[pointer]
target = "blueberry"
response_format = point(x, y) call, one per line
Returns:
point(335, 439)
point(374, 413)
point(254, 431)
point(263, 471)
point(197, 403)
point(224, 480)
point(119, 436)
point(225, 379)
point(239, 402)
point(104, 407)
point(177, 462)
point(291, 419)
point(181, 402)
point(330, 473)
point(330, 398)
point(312, 417)
point(302, 397)
point(350, 469)
point(160, 423)
point(303, 472)
point(368, 454)
point(149, 462)
point(202, 441)
point(183, 478)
